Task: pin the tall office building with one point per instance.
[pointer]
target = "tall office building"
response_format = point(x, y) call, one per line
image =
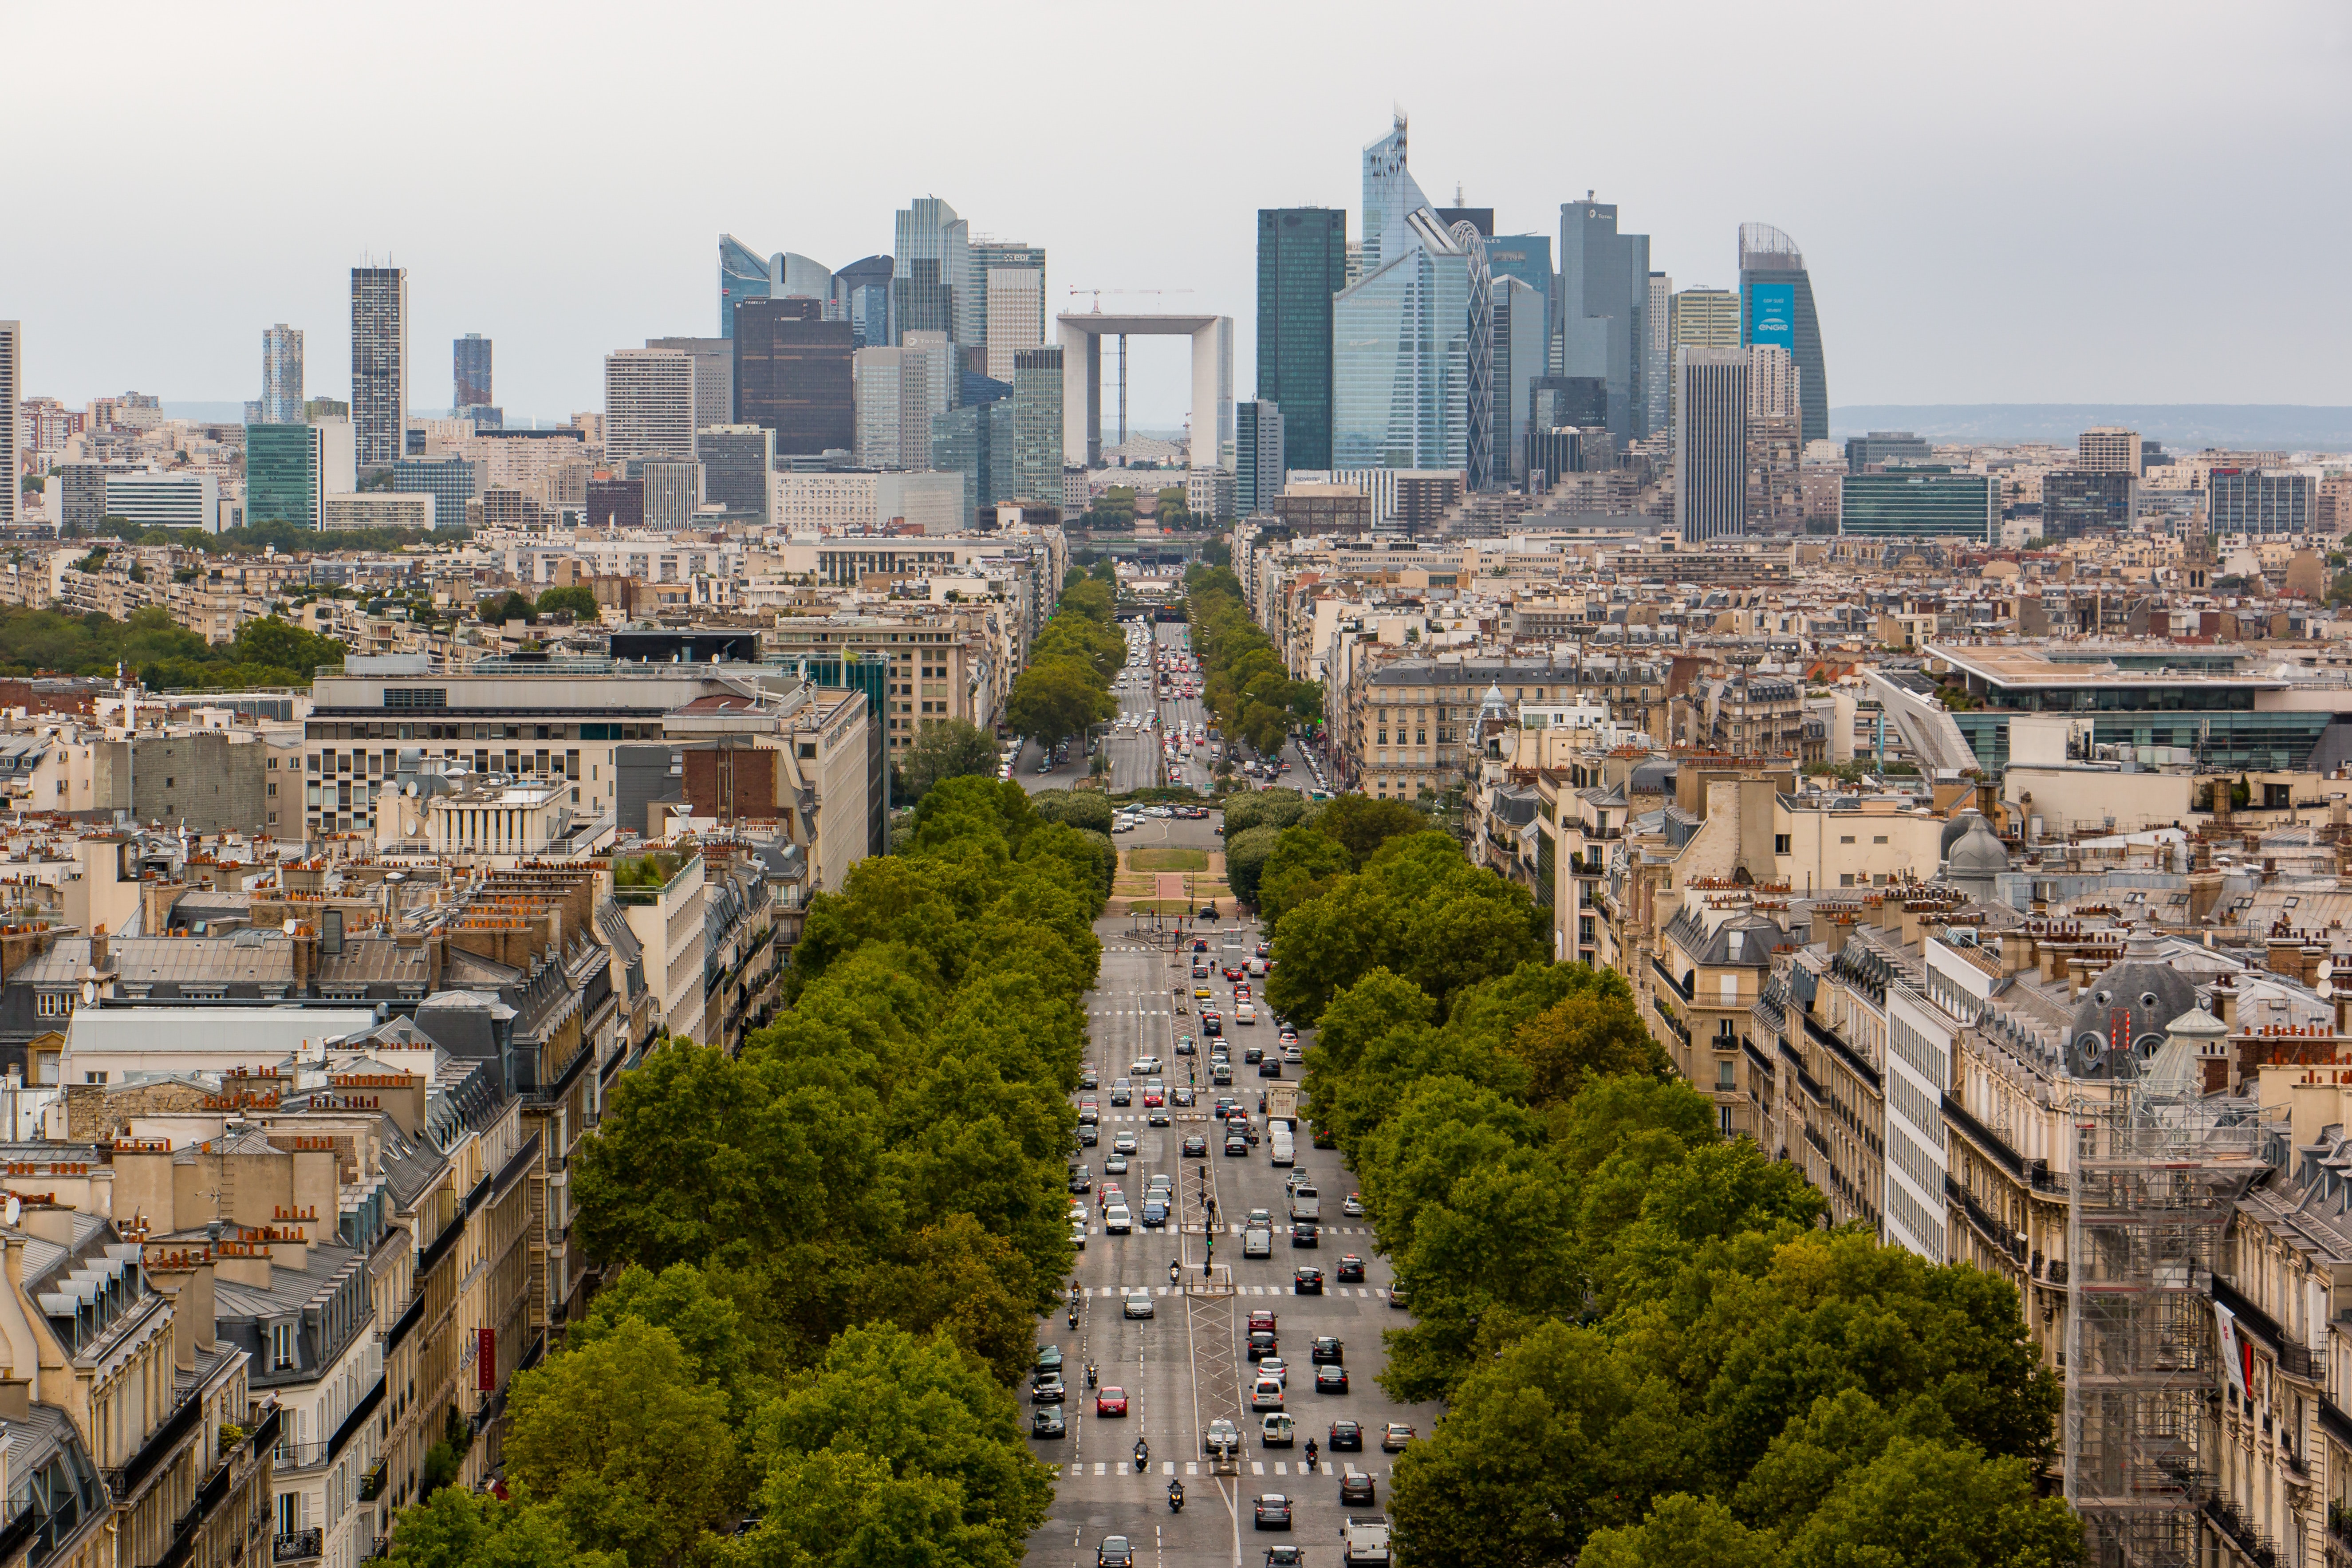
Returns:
point(281, 376)
point(1603, 311)
point(1401, 357)
point(451, 482)
point(1257, 457)
point(1390, 198)
point(796, 277)
point(470, 373)
point(861, 295)
point(380, 364)
point(291, 470)
point(1037, 425)
point(1710, 443)
point(893, 390)
point(1703, 319)
point(1775, 384)
point(1302, 263)
point(976, 441)
point(714, 376)
point(1657, 364)
point(12, 397)
point(615, 503)
point(2109, 449)
point(1016, 316)
point(928, 265)
point(982, 257)
point(738, 462)
point(743, 274)
point(793, 375)
point(672, 492)
point(648, 403)
point(1777, 307)
point(942, 378)
point(1522, 339)
point(2259, 500)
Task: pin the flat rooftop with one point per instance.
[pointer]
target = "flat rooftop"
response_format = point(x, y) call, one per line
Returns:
point(2015, 668)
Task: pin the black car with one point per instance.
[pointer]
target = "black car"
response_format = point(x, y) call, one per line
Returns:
point(1253, 1053)
point(1048, 1391)
point(1224, 1108)
point(1286, 1556)
point(1330, 1380)
point(1270, 1068)
point(1325, 1351)
point(1306, 1281)
point(1081, 1179)
point(1048, 1364)
point(1195, 1146)
point(1046, 1420)
point(1114, 1552)
point(1211, 1024)
point(1090, 1080)
point(1088, 1135)
point(1237, 1145)
point(1346, 1435)
point(1352, 1270)
point(1273, 1511)
point(1156, 1117)
point(1355, 1488)
point(1305, 1234)
point(1263, 1345)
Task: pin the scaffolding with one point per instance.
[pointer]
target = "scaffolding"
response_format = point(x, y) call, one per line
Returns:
point(2157, 1170)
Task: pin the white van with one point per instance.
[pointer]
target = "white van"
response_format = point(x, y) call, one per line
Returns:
point(1245, 1013)
point(1305, 1204)
point(1279, 1146)
point(1266, 1394)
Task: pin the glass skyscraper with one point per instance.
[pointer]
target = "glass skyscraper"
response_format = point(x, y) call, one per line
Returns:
point(743, 274)
point(932, 263)
point(1037, 425)
point(1401, 358)
point(1302, 263)
point(469, 372)
point(793, 375)
point(1776, 306)
point(1604, 311)
point(1258, 458)
point(976, 441)
point(285, 476)
point(281, 376)
point(1390, 198)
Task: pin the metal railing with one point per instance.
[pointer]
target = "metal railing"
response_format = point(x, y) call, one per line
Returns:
point(301, 1545)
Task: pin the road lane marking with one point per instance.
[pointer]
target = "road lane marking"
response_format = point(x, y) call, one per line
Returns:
point(1257, 1466)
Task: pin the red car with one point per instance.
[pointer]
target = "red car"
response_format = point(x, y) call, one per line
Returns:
point(1110, 1402)
point(1152, 1097)
point(1232, 972)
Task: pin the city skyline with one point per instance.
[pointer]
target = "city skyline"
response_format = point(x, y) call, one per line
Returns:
point(1891, 170)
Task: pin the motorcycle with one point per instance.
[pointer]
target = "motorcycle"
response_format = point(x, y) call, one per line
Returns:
point(1091, 1375)
point(1143, 1455)
point(1074, 1317)
point(1310, 1455)
point(1175, 1497)
point(1175, 1272)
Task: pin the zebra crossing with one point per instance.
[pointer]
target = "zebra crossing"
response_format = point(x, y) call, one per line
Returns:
point(1257, 1468)
point(1115, 1292)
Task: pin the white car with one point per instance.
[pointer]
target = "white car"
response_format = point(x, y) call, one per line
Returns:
point(1266, 1394)
point(1117, 1220)
point(1079, 1238)
point(1138, 1303)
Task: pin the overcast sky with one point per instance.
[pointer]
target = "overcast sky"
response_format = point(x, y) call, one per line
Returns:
point(1998, 202)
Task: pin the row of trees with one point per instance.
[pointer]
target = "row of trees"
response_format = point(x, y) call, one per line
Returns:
point(1649, 1351)
point(164, 654)
point(1067, 685)
point(270, 533)
point(578, 600)
point(1244, 681)
point(836, 1244)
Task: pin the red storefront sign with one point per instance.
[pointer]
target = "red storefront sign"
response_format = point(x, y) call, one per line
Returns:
point(486, 1361)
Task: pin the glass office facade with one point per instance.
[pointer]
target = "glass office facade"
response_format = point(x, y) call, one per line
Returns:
point(1302, 262)
point(1776, 298)
point(743, 274)
point(976, 441)
point(1920, 503)
point(1400, 366)
point(2223, 737)
point(793, 375)
point(737, 463)
point(450, 481)
point(1037, 425)
point(928, 267)
point(284, 477)
point(2076, 501)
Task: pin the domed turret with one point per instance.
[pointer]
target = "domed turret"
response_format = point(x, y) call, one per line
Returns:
point(1976, 858)
point(2124, 1018)
point(1953, 831)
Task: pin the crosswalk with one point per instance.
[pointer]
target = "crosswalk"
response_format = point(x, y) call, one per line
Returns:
point(1114, 1292)
point(1257, 1468)
point(1328, 1230)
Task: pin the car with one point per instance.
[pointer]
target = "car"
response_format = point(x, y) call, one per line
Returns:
point(1211, 1025)
point(1271, 1067)
point(1200, 944)
point(1224, 1108)
point(1237, 1146)
point(1306, 1233)
point(1182, 1094)
point(1155, 1213)
point(1257, 1242)
point(1346, 1435)
point(1261, 1218)
point(1326, 1352)
point(1262, 1344)
point(1203, 993)
point(1330, 1380)
point(1306, 1281)
point(1231, 972)
point(1156, 1117)
point(1137, 1304)
point(1352, 1270)
point(1353, 1206)
point(1285, 1557)
point(1081, 1179)
point(1078, 1237)
point(1147, 1067)
point(1222, 1433)
point(1114, 1552)
point(1250, 1054)
point(1088, 1113)
point(1124, 1144)
point(1273, 1366)
point(1089, 1079)
point(1116, 1165)
point(1122, 1092)
point(1047, 1363)
point(1221, 1073)
point(1117, 1220)
point(1272, 1511)
point(1154, 1095)
point(1355, 1488)
point(1184, 1047)
point(1397, 1297)
point(1196, 1147)
point(1265, 1393)
point(1394, 1435)
point(1048, 1391)
point(1046, 1420)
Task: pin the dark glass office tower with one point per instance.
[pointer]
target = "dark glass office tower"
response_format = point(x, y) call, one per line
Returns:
point(1776, 306)
point(743, 274)
point(791, 375)
point(469, 365)
point(1302, 261)
point(1603, 311)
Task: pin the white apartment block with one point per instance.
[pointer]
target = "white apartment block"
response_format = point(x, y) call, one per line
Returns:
point(378, 508)
point(648, 403)
point(190, 500)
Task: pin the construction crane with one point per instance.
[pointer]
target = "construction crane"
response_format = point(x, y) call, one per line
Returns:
point(1098, 294)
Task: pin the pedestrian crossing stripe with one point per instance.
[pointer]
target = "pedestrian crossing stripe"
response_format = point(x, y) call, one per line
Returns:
point(1257, 1466)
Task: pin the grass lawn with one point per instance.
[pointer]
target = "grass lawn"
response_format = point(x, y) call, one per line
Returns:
point(1167, 857)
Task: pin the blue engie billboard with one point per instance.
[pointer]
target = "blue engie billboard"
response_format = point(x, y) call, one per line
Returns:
point(1772, 314)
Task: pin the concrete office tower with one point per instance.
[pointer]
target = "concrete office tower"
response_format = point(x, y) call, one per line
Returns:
point(470, 373)
point(1037, 425)
point(1657, 382)
point(1016, 316)
point(1390, 198)
point(648, 403)
point(1711, 443)
point(673, 491)
point(930, 265)
point(1401, 357)
point(1603, 311)
point(2109, 449)
point(1522, 334)
point(1777, 307)
point(861, 295)
point(738, 462)
point(942, 380)
point(1258, 458)
point(281, 376)
point(894, 406)
point(1774, 384)
point(1302, 262)
point(982, 257)
point(714, 376)
point(12, 397)
point(1703, 319)
point(379, 363)
point(793, 375)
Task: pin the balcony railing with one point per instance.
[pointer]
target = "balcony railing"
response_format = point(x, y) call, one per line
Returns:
point(298, 1547)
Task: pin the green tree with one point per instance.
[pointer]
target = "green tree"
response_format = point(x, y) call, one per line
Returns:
point(1057, 699)
point(581, 601)
point(1263, 808)
point(1927, 1502)
point(947, 748)
point(1361, 824)
point(511, 606)
point(634, 1454)
point(1683, 1532)
point(1246, 857)
point(1086, 808)
point(1595, 1032)
point(455, 1528)
point(1301, 867)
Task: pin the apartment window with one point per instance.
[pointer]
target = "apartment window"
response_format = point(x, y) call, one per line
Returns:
point(1845, 879)
point(1726, 1075)
point(281, 1346)
point(93, 1077)
point(1781, 844)
point(1845, 838)
point(1878, 838)
point(1722, 1119)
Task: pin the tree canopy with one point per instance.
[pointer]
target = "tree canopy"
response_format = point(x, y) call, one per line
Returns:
point(581, 601)
point(266, 651)
point(1243, 681)
point(946, 748)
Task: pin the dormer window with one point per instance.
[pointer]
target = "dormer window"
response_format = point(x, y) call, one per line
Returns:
point(281, 1347)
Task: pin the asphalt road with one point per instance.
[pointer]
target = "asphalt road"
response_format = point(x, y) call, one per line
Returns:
point(1184, 1366)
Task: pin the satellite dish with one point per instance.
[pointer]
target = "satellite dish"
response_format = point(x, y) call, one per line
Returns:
point(89, 993)
point(15, 1212)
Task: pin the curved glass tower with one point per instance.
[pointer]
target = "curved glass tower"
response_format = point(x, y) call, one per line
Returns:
point(743, 274)
point(1401, 357)
point(1776, 306)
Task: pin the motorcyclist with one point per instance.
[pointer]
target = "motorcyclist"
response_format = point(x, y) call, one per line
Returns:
point(1142, 1454)
point(1092, 1376)
point(1310, 1453)
point(1175, 1496)
point(1175, 1270)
